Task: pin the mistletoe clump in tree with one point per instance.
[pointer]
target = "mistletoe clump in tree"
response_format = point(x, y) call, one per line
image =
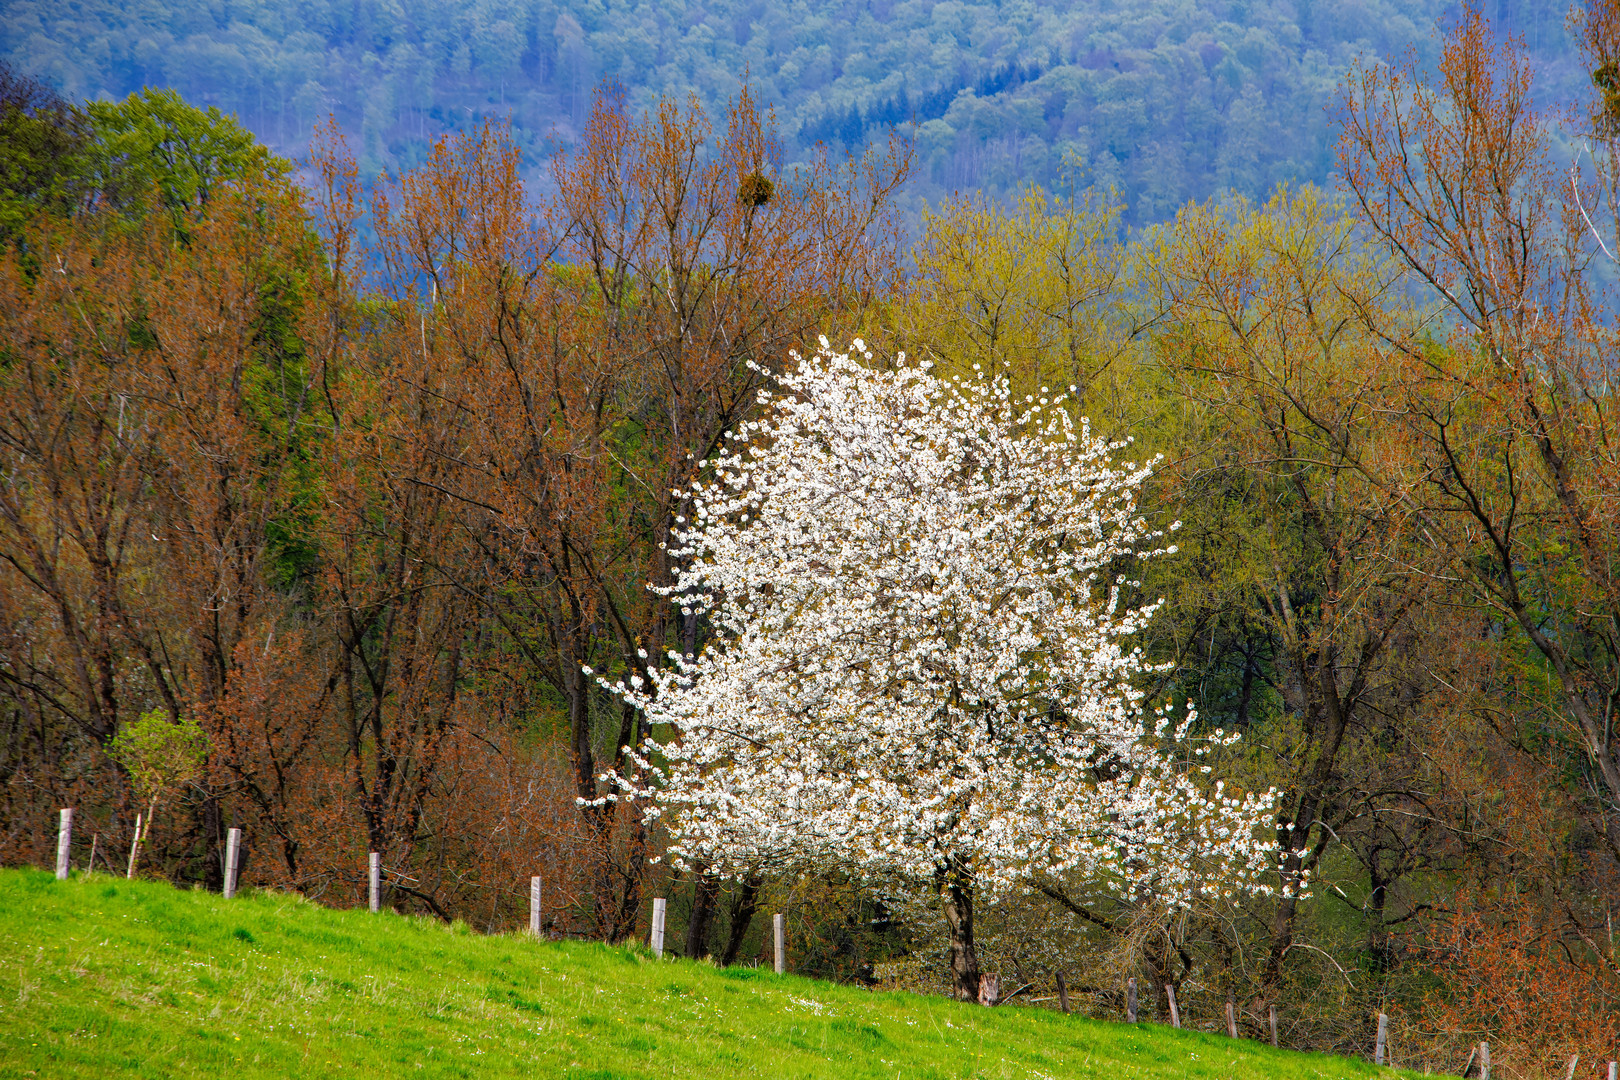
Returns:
point(918, 669)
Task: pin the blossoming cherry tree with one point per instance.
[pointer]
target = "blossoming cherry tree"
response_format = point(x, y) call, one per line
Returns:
point(918, 669)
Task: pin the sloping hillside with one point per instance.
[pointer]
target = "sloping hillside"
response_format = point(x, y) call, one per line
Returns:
point(103, 977)
point(1165, 100)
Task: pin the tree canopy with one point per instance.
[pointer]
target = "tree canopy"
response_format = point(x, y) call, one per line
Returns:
point(921, 670)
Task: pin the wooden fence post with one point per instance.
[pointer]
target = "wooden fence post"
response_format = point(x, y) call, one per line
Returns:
point(375, 881)
point(90, 867)
point(1379, 1047)
point(1574, 1060)
point(1231, 1018)
point(781, 946)
point(659, 906)
point(233, 860)
point(534, 905)
point(1273, 1025)
point(1063, 993)
point(1130, 1000)
point(1614, 1070)
point(64, 843)
point(1484, 1060)
point(989, 988)
point(1175, 1010)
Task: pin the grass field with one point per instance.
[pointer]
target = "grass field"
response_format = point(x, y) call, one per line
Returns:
point(107, 978)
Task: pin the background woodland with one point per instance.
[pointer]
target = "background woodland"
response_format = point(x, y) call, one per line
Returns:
point(1166, 101)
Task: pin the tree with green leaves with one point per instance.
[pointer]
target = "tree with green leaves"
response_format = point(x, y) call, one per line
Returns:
point(153, 144)
point(43, 142)
point(162, 755)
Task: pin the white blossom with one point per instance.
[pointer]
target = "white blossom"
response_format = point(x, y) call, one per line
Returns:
point(919, 658)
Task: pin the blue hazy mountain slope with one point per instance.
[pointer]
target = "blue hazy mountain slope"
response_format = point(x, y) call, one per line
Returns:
point(1168, 100)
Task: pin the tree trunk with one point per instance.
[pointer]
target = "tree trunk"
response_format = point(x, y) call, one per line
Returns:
point(631, 875)
point(705, 891)
point(211, 826)
point(742, 913)
point(1157, 961)
point(956, 890)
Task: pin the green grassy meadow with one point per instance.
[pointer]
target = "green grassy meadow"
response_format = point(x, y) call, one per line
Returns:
point(108, 978)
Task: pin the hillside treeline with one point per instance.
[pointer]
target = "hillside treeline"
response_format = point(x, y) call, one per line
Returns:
point(1168, 102)
point(364, 514)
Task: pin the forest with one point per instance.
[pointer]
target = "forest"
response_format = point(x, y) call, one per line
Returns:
point(417, 517)
point(1165, 101)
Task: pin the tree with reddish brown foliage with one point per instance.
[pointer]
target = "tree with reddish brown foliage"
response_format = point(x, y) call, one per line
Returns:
point(583, 356)
point(1512, 433)
point(153, 395)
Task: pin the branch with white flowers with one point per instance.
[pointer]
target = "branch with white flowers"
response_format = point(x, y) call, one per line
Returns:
point(920, 666)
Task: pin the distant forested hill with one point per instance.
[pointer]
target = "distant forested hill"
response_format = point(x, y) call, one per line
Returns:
point(1168, 100)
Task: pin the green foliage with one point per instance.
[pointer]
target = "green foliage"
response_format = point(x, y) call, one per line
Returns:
point(42, 144)
point(275, 395)
point(1032, 291)
point(171, 986)
point(154, 143)
point(56, 158)
point(160, 754)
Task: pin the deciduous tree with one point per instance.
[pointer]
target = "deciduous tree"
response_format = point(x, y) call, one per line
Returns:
point(586, 353)
point(1512, 419)
point(921, 669)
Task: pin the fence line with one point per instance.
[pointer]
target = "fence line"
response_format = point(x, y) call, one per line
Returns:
point(989, 984)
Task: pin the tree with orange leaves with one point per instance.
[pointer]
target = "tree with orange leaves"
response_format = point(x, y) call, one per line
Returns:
point(582, 355)
point(154, 393)
point(1517, 442)
point(1596, 192)
point(1507, 394)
